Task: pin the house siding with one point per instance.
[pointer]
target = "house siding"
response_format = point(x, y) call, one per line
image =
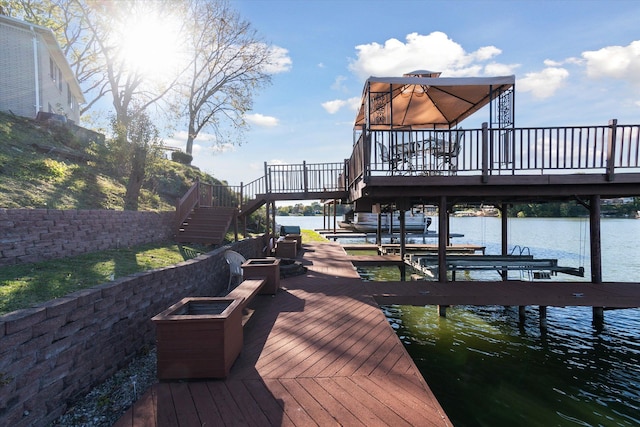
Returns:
point(17, 80)
point(17, 73)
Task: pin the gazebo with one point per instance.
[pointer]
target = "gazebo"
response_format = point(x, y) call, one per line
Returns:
point(424, 100)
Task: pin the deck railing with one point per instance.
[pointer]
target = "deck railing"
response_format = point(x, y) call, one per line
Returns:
point(515, 151)
point(487, 151)
point(302, 178)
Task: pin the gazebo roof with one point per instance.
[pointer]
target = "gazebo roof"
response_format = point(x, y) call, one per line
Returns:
point(414, 101)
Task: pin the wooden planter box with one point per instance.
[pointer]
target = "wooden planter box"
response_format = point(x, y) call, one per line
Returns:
point(198, 337)
point(286, 249)
point(268, 268)
point(297, 238)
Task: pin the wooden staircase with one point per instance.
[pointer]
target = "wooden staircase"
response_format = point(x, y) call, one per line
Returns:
point(205, 225)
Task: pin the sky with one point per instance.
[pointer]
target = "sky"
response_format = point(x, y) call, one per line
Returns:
point(576, 63)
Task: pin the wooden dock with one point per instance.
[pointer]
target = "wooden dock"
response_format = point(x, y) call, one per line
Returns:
point(320, 352)
point(414, 248)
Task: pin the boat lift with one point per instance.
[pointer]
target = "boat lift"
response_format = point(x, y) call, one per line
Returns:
point(542, 268)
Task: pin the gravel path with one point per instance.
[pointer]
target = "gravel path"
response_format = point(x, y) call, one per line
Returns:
point(106, 403)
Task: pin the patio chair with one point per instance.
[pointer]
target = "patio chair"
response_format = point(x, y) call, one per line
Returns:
point(398, 163)
point(235, 261)
point(448, 154)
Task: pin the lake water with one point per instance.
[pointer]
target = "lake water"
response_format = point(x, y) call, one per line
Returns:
point(488, 369)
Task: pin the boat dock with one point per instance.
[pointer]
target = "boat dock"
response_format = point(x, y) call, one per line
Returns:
point(319, 352)
point(350, 234)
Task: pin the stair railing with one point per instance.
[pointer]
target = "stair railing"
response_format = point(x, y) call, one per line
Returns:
point(186, 203)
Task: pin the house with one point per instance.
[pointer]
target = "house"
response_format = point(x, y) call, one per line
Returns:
point(34, 73)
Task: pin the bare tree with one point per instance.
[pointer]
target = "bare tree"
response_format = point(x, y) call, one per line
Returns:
point(228, 64)
point(131, 91)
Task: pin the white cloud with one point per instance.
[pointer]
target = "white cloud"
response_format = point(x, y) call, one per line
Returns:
point(486, 53)
point(354, 103)
point(618, 62)
point(279, 61)
point(338, 83)
point(552, 63)
point(336, 105)
point(262, 120)
point(543, 84)
point(497, 69)
point(435, 52)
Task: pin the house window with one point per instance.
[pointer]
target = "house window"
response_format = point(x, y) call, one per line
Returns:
point(55, 73)
point(52, 69)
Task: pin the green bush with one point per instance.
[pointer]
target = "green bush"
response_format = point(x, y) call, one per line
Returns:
point(180, 157)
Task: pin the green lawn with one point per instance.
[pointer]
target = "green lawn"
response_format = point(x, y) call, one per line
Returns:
point(25, 285)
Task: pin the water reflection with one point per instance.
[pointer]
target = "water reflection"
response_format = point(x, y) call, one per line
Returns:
point(487, 369)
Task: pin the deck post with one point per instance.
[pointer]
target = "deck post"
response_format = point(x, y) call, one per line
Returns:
point(594, 239)
point(324, 217)
point(244, 226)
point(485, 152)
point(267, 218)
point(522, 313)
point(442, 310)
point(235, 226)
point(598, 317)
point(505, 237)
point(543, 317)
point(273, 210)
point(443, 238)
point(611, 149)
point(403, 249)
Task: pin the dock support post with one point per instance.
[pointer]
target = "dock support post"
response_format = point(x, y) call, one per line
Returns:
point(443, 239)
point(543, 317)
point(596, 253)
point(594, 239)
point(267, 218)
point(442, 310)
point(522, 313)
point(505, 237)
point(403, 249)
point(598, 317)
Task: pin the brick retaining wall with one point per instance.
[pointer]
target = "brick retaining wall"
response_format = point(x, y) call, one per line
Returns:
point(57, 351)
point(33, 235)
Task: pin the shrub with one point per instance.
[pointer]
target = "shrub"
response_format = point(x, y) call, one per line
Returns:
point(180, 157)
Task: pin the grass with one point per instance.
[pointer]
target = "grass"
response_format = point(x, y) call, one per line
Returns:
point(312, 236)
point(57, 179)
point(23, 286)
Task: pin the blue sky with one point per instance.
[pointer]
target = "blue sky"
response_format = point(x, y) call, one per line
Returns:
point(575, 62)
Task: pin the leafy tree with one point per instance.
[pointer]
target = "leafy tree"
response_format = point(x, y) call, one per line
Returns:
point(228, 64)
point(140, 141)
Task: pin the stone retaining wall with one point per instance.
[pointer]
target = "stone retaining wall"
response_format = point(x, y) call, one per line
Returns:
point(56, 352)
point(33, 235)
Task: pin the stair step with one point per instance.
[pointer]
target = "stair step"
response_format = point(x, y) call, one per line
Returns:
point(206, 225)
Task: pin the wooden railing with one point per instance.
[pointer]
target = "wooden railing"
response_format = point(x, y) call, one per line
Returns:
point(185, 205)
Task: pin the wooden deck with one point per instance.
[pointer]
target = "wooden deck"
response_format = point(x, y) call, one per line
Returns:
point(320, 352)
